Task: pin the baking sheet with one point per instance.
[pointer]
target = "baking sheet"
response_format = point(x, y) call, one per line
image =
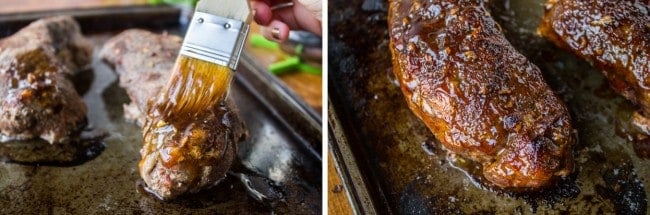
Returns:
point(384, 153)
point(282, 133)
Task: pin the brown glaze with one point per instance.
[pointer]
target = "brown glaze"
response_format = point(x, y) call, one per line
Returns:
point(38, 97)
point(612, 35)
point(481, 98)
point(188, 154)
point(182, 151)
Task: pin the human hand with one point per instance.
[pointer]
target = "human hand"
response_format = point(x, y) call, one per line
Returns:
point(303, 15)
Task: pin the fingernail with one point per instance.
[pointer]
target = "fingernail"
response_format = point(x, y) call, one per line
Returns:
point(275, 32)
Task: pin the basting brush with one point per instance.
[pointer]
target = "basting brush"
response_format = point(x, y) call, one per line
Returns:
point(208, 58)
point(180, 150)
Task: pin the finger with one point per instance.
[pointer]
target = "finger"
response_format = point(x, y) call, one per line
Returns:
point(314, 6)
point(298, 17)
point(307, 20)
point(277, 31)
point(262, 14)
point(287, 16)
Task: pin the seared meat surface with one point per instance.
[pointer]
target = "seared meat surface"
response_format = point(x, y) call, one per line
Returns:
point(612, 35)
point(143, 66)
point(38, 97)
point(481, 98)
point(175, 159)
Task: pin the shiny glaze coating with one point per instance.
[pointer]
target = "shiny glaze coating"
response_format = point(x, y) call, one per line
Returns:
point(481, 98)
point(38, 96)
point(181, 153)
point(612, 35)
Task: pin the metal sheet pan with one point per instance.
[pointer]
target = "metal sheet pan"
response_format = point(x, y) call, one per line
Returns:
point(283, 144)
point(383, 150)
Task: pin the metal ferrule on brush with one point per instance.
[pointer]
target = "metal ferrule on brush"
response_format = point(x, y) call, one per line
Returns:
point(215, 39)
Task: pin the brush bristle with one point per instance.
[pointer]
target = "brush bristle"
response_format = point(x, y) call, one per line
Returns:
point(196, 86)
point(232, 9)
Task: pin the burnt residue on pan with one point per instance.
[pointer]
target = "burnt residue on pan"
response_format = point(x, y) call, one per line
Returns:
point(413, 171)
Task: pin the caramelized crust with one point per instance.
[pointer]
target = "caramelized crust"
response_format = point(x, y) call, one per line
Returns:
point(612, 35)
point(481, 98)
